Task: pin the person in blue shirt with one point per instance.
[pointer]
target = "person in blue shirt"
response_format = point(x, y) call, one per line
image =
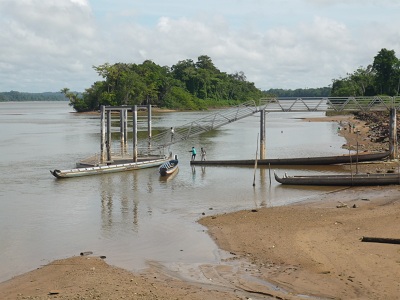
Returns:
point(193, 153)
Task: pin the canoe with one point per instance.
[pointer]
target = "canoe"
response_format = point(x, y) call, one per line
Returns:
point(168, 167)
point(78, 172)
point(341, 180)
point(322, 160)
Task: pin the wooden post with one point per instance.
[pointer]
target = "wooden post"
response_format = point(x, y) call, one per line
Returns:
point(134, 116)
point(103, 135)
point(122, 130)
point(358, 133)
point(255, 165)
point(149, 125)
point(109, 141)
point(262, 135)
point(126, 130)
point(393, 134)
point(380, 240)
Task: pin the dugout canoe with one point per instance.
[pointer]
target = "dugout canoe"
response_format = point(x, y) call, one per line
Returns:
point(112, 168)
point(322, 160)
point(169, 167)
point(341, 180)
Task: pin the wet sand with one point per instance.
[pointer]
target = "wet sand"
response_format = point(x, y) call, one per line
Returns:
point(310, 249)
point(315, 248)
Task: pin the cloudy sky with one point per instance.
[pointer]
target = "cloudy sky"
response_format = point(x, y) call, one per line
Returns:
point(46, 45)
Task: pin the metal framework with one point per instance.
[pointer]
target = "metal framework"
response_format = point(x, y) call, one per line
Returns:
point(273, 104)
point(337, 104)
point(214, 120)
point(210, 122)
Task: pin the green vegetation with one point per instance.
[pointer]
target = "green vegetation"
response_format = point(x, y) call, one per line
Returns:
point(190, 85)
point(309, 92)
point(382, 77)
point(17, 96)
point(185, 85)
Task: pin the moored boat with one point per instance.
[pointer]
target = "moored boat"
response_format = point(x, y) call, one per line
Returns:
point(112, 168)
point(322, 160)
point(169, 167)
point(341, 180)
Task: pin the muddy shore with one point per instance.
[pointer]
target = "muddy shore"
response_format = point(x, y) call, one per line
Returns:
point(308, 250)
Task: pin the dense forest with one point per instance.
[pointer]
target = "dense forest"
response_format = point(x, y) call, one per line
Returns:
point(200, 85)
point(382, 77)
point(185, 85)
point(17, 96)
point(309, 92)
point(59, 96)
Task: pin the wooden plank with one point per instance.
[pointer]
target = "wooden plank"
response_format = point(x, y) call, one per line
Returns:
point(380, 240)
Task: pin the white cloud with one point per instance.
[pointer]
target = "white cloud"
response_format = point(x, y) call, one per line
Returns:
point(43, 38)
point(46, 45)
point(80, 2)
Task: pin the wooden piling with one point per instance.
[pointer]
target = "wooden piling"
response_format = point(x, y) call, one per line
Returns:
point(149, 125)
point(393, 134)
point(122, 130)
point(135, 144)
point(103, 135)
point(262, 135)
point(125, 129)
point(109, 139)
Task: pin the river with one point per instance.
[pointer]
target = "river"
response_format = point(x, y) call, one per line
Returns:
point(135, 217)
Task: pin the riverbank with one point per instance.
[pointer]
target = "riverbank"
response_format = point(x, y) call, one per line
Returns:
point(312, 248)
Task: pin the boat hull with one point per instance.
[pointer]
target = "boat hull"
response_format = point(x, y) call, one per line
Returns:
point(323, 160)
point(341, 180)
point(79, 172)
point(168, 168)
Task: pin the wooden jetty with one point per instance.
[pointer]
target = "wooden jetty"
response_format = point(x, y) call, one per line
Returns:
point(111, 162)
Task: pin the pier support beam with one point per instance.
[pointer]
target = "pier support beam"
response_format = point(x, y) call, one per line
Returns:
point(262, 135)
point(123, 130)
point(393, 134)
point(149, 125)
point(103, 135)
point(126, 131)
point(135, 150)
point(109, 139)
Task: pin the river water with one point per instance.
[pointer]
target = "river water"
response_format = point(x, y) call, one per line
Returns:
point(135, 217)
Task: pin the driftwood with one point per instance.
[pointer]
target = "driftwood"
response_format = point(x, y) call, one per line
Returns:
point(380, 240)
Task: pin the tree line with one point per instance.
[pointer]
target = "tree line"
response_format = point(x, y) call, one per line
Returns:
point(185, 85)
point(200, 85)
point(307, 92)
point(17, 96)
point(382, 77)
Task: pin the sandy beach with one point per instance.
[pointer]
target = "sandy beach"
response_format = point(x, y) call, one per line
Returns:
point(309, 250)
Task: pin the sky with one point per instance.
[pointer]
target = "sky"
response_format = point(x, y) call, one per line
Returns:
point(47, 45)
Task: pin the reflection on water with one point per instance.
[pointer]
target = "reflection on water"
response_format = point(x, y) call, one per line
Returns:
point(133, 217)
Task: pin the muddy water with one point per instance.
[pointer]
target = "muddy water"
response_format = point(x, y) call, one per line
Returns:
point(135, 217)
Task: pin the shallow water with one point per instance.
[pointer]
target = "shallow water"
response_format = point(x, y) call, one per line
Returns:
point(136, 216)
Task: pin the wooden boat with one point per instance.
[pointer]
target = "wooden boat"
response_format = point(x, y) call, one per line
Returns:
point(322, 160)
point(341, 180)
point(169, 167)
point(112, 168)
